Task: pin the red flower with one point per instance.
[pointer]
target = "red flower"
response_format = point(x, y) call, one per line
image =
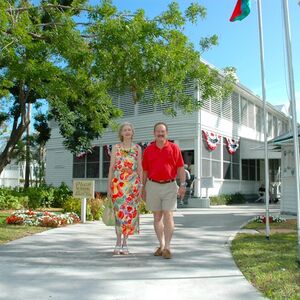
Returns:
point(117, 189)
point(128, 164)
point(265, 219)
point(129, 208)
point(134, 214)
point(121, 214)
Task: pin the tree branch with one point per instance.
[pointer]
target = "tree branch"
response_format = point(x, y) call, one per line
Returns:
point(21, 9)
point(6, 46)
point(61, 24)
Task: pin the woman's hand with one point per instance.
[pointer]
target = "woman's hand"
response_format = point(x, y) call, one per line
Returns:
point(109, 192)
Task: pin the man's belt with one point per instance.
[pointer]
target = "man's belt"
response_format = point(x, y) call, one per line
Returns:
point(162, 181)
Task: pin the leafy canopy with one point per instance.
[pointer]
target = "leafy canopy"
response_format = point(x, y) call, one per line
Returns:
point(74, 55)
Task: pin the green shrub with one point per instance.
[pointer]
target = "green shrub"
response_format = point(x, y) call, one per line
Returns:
point(142, 208)
point(60, 195)
point(236, 198)
point(97, 208)
point(38, 196)
point(227, 199)
point(11, 199)
point(74, 205)
point(11, 202)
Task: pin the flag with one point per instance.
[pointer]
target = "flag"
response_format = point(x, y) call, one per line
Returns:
point(241, 10)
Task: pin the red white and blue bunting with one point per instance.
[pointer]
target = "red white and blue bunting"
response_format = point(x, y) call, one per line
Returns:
point(232, 145)
point(212, 139)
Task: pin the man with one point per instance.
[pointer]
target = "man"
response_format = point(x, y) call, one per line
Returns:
point(162, 162)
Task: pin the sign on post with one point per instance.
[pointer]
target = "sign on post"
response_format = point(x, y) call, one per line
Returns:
point(207, 183)
point(83, 189)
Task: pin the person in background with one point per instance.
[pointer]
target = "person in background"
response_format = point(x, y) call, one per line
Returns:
point(187, 179)
point(125, 186)
point(162, 161)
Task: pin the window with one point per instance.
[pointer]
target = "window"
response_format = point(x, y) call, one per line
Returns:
point(211, 161)
point(87, 165)
point(250, 169)
point(231, 163)
point(92, 164)
point(105, 162)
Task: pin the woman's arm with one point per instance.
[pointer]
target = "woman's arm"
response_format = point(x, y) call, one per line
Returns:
point(139, 165)
point(111, 170)
point(140, 169)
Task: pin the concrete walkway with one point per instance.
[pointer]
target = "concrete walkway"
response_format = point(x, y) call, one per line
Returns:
point(76, 262)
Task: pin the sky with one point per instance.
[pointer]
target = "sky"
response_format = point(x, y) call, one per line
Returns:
point(239, 41)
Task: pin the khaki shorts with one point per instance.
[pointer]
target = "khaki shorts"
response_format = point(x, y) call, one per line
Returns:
point(161, 197)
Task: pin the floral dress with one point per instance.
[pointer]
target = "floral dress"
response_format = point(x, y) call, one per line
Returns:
point(125, 192)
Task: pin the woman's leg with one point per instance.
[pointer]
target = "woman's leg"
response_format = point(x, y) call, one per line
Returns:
point(119, 240)
point(125, 250)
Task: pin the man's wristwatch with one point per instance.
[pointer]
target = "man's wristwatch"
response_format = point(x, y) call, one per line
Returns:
point(183, 184)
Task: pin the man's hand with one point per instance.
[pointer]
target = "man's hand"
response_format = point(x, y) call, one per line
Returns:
point(181, 191)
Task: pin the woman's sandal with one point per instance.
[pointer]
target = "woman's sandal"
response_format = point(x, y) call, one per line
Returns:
point(124, 250)
point(117, 250)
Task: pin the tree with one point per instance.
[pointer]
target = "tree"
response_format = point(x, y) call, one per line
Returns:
point(43, 133)
point(47, 54)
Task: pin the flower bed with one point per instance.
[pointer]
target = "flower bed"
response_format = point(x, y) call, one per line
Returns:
point(272, 219)
point(44, 219)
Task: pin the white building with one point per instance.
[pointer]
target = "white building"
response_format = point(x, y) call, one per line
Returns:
point(238, 118)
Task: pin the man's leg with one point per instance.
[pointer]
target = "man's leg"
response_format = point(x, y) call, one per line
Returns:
point(159, 228)
point(168, 222)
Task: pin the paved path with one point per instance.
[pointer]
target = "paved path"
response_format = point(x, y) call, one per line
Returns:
point(75, 262)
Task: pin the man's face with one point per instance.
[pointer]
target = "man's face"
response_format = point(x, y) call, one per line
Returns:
point(160, 133)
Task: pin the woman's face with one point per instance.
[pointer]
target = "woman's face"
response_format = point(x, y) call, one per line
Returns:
point(127, 132)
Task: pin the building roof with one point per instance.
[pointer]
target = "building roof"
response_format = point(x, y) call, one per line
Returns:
point(284, 138)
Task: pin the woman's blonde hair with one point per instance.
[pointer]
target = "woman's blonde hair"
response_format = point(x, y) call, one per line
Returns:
point(121, 128)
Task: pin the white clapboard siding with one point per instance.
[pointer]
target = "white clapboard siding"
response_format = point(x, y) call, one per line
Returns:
point(59, 162)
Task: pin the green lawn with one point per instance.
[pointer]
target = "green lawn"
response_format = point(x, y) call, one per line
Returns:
point(13, 232)
point(270, 265)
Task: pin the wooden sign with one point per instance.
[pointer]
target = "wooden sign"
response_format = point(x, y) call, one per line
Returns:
point(83, 189)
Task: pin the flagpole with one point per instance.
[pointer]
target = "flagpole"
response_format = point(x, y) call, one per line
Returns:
point(285, 4)
point(262, 68)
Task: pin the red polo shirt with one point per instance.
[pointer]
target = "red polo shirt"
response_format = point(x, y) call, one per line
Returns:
point(162, 164)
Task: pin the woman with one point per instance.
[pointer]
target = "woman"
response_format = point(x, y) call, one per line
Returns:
point(124, 186)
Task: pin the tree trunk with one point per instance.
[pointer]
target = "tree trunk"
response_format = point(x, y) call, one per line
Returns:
point(18, 129)
point(27, 167)
point(16, 135)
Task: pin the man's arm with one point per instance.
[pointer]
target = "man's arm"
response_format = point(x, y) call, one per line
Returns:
point(182, 184)
point(145, 176)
